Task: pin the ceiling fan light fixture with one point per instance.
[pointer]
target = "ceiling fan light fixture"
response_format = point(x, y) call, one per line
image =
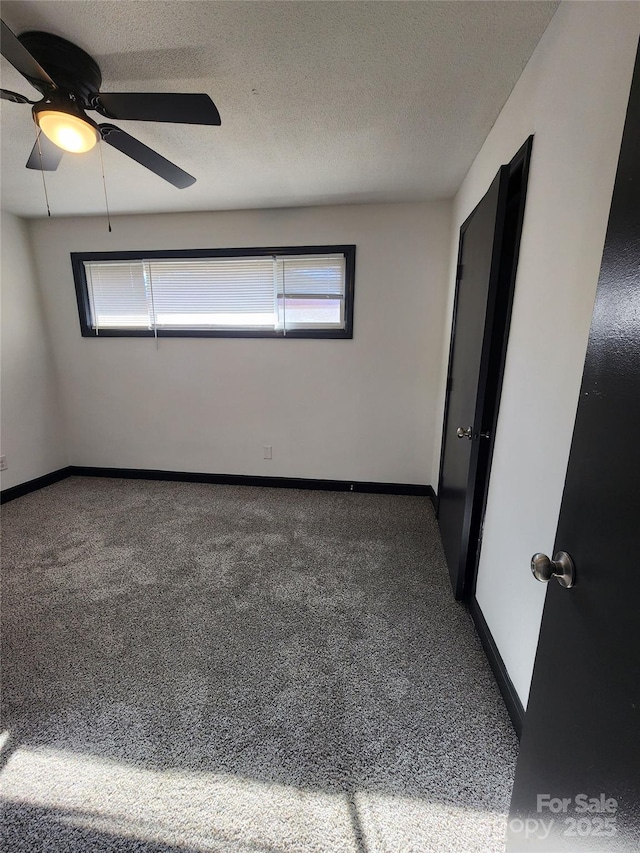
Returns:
point(60, 115)
point(67, 129)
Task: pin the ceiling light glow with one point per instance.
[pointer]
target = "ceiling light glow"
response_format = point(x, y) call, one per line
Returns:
point(69, 132)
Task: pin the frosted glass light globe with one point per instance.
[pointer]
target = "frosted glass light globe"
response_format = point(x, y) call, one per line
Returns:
point(69, 132)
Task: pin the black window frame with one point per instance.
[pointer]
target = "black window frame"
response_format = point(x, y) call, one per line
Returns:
point(84, 307)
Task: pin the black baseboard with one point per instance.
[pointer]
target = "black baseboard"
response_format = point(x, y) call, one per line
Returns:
point(509, 694)
point(249, 480)
point(33, 485)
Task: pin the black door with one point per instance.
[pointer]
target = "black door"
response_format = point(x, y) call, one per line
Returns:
point(478, 265)
point(487, 265)
point(577, 784)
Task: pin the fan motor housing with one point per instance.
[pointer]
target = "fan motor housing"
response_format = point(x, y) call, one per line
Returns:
point(69, 66)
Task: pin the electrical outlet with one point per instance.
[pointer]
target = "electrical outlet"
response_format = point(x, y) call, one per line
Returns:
point(3, 463)
point(268, 451)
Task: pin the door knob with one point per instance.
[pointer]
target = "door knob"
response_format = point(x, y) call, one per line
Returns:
point(561, 568)
point(461, 432)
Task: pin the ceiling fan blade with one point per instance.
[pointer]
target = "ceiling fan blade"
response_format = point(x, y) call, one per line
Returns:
point(7, 95)
point(51, 154)
point(21, 59)
point(158, 106)
point(146, 156)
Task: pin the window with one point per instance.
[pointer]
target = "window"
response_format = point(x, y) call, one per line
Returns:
point(286, 292)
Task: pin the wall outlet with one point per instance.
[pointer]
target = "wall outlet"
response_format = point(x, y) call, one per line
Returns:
point(267, 451)
point(3, 463)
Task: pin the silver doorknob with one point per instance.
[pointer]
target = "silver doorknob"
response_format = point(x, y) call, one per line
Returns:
point(461, 432)
point(561, 568)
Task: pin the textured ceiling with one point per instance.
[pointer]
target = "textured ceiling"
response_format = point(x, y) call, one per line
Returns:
point(321, 102)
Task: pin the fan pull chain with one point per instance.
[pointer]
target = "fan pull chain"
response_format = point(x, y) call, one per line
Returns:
point(104, 184)
point(44, 183)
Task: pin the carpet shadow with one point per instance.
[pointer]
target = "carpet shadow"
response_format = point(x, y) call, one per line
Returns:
point(43, 830)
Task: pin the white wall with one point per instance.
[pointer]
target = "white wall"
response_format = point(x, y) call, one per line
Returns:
point(572, 95)
point(31, 429)
point(361, 409)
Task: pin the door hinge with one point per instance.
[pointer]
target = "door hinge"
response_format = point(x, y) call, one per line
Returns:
point(480, 535)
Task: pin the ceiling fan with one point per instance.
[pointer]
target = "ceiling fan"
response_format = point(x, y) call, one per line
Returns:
point(69, 81)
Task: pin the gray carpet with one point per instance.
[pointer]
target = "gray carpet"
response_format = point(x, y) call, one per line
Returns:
point(241, 670)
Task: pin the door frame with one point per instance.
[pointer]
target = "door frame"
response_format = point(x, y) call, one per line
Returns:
point(492, 364)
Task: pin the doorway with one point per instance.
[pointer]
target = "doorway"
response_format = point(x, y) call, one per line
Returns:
point(487, 264)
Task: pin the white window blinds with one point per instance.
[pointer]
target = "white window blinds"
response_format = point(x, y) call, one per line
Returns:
point(117, 295)
point(245, 293)
point(311, 291)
